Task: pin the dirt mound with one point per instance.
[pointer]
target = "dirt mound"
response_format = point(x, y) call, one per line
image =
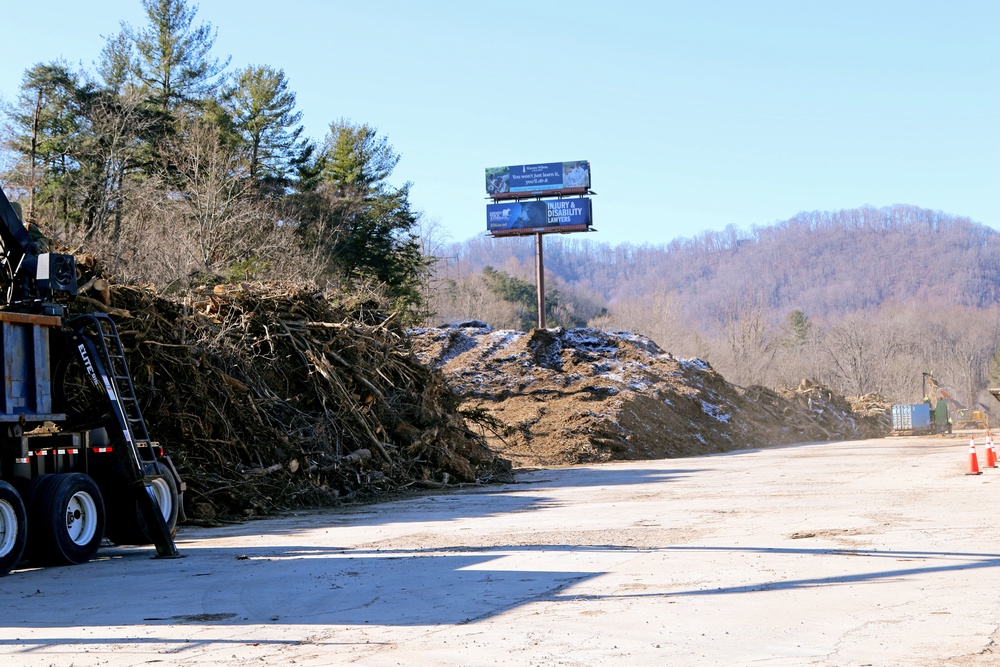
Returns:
point(268, 396)
point(583, 395)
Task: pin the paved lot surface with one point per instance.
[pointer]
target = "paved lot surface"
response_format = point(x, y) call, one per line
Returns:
point(880, 552)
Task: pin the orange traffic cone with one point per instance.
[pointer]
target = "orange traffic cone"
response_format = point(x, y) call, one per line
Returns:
point(973, 459)
point(991, 452)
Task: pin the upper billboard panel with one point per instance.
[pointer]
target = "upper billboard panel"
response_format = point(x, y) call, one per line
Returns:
point(526, 180)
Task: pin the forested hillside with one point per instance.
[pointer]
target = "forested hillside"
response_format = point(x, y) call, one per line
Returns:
point(176, 169)
point(866, 299)
point(821, 262)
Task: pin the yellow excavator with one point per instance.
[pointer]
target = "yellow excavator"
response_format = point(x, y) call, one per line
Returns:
point(961, 417)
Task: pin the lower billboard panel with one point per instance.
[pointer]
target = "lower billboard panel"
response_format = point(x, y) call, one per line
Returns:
point(529, 217)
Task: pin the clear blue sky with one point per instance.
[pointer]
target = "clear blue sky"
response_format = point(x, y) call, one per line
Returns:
point(694, 115)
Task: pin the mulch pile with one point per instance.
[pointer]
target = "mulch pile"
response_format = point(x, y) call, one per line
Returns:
point(563, 397)
point(268, 396)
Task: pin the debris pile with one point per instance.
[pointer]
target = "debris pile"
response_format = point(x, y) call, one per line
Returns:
point(268, 396)
point(873, 411)
point(819, 413)
point(582, 395)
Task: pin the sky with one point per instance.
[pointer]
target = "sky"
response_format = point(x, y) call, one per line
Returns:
point(693, 115)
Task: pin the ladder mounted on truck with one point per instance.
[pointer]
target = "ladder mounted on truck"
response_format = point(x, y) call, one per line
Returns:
point(95, 338)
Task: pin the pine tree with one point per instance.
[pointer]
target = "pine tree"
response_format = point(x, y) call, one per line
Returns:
point(173, 60)
point(524, 294)
point(263, 113)
point(365, 226)
point(800, 328)
point(46, 131)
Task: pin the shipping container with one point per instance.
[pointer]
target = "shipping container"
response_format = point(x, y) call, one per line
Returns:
point(915, 417)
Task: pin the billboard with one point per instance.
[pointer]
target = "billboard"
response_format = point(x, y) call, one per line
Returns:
point(529, 217)
point(532, 179)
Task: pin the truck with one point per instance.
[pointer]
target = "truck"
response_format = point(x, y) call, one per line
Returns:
point(77, 464)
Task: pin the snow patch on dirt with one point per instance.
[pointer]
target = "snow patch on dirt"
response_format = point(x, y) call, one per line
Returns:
point(714, 411)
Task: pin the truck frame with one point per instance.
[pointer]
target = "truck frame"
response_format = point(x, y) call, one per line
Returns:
point(77, 464)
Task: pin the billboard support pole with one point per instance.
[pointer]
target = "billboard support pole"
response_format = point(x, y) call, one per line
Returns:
point(540, 279)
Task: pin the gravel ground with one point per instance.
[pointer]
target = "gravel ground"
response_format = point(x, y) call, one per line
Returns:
point(874, 552)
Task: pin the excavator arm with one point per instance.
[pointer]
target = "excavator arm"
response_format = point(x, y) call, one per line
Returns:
point(33, 278)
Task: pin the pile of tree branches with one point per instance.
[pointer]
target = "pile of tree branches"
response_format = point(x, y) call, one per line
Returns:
point(268, 396)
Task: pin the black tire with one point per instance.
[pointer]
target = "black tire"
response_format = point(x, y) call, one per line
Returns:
point(125, 522)
point(13, 528)
point(84, 405)
point(66, 514)
point(34, 551)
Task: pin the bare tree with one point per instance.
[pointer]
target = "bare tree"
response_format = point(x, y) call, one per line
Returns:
point(471, 299)
point(859, 350)
point(151, 246)
point(971, 340)
point(660, 318)
point(216, 199)
point(749, 345)
point(111, 154)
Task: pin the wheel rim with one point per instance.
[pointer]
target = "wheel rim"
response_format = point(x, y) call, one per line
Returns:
point(160, 491)
point(81, 518)
point(8, 528)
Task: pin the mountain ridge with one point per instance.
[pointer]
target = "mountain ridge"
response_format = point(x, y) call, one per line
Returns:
point(822, 262)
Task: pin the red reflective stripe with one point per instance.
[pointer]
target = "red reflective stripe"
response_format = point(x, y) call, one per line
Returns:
point(102, 450)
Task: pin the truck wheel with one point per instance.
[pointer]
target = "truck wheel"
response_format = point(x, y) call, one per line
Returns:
point(74, 394)
point(67, 519)
point(125, 523)
point(13, 527)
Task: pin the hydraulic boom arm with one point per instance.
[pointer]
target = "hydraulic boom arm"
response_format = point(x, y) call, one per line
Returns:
point(34, 277)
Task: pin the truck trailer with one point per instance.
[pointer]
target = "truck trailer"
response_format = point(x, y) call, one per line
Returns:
point(77, 464)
